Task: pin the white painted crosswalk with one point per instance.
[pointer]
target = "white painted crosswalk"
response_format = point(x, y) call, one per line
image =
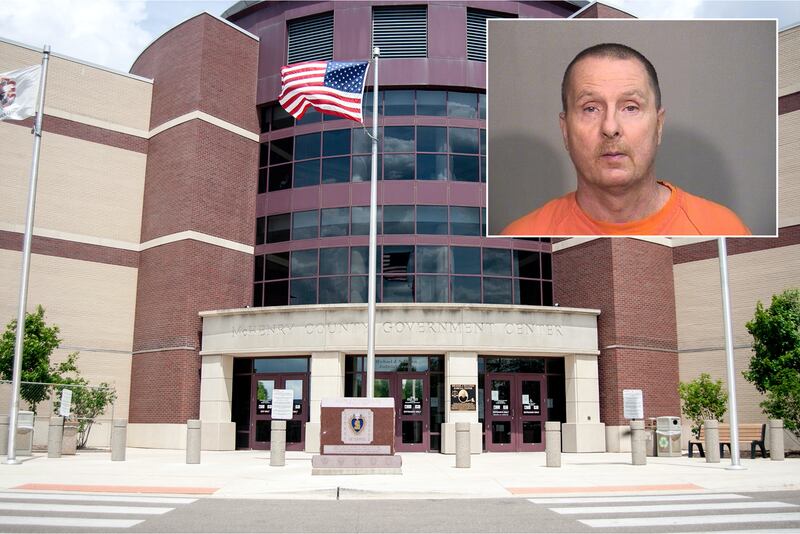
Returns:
point(660, 512)
point(82, 510)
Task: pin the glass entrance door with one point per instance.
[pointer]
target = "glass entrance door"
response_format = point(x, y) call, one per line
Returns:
point(514, 415)
point(411, 398)
point(263, 386)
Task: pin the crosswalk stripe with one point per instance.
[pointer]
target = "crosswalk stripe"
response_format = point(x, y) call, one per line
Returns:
point(691, 520)
point(644, 498)
point(94, 498)
point(83, 508)
point(78, 522)
point(686, 507)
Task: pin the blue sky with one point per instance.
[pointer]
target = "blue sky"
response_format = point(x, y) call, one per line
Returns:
point(112, 33)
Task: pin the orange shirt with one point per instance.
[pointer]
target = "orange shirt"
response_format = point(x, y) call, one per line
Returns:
point(683, 214)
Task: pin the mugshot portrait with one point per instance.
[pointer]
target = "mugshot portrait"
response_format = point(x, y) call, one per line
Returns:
point(704, 117)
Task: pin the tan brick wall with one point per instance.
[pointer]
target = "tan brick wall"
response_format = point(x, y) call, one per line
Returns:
point(789, 50)
point(789, 168)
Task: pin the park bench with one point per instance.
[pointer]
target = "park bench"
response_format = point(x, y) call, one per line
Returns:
point(748, 432)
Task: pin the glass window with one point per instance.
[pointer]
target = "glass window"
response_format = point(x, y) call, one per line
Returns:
point(335, 221)
point(281, 150)
point(281, 119)
point(526, 264)
point(497, 290)
point(466, 289)
point(359, 289)
point(362, 143)
point(262, 181)
point(336, 142)
point(432, 220)
point(306, 173)
point(281, 365)
point(276, 293)
point(465, 220)
point(399, 167)
point(362, 168)
point(464, 168)
point(306, 146)
point(260, 230)
point(431, 139)
point(527, 292)
point(277, 266)
point(547, 293)
point(398, 102)
point(309, 117)
point(462, 105)
point(397, 259)
point(431, 167)
point(432, 259)
point(333, 260)
point(333, 290)
point(278, 228)
point(280, 177)
point(465, 260)
point(398, 288)
point(481, 105)
point(359, 260)
point(547, 267)
point(432, 288)
point(303, 291)
point(360, 215)
point(497, 262)
point(263, 118)
point(336, 170)
point(464, 140)
point(367, 103)
point(398, 139)
point(431, 103)
point(263, 155)
point(258, 271)
point(304, 263)
point(483, 142)
point(258, 295)
point(484, 173)
point(398, 219)
point(305, 224)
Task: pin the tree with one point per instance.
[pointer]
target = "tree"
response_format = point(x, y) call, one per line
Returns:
point(702, 399)
point(775, 365)
point(88, 402)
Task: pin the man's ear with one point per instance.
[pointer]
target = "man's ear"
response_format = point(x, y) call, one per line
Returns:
point(660, 123)
point(562, 120)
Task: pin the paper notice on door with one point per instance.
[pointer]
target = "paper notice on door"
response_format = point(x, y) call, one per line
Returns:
point(495, 395)
point(526, 399)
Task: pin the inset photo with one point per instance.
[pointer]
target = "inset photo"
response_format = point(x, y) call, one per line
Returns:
point(632, 128)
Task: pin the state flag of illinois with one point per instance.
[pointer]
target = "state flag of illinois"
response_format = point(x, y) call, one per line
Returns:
point(18, 91)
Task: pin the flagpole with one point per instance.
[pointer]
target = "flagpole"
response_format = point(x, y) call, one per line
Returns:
point(373, 235)
point(13, 411)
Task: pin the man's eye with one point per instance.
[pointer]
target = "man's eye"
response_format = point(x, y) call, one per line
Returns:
point(631, 107)
point(590, 109)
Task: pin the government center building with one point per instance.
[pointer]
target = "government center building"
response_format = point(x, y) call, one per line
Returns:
point(201, 248)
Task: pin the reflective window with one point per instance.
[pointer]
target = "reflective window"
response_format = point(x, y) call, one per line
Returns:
point(360, 224)
point(431, 167)
point(465, 220)
point(432, 220)
point(398, 288)
point(496, 261)
point(280, 150)
point(258, 295)
point(333, 261)
point(277, 266)
point(432, 259)
point(466, 289)
point(464, 168)
point(527, 292)
point(359, 260)
point(336, 142)
point(262, 181)
point(305, 224)
point(398, 259)
point(307, 146)
point(261, 228)
point(398, 102)
point(303, 291)
point(465, 260)
point(464, 140)
point(334, 221)
point(304, 263)
point(432, 103)
point(359, 290)
point(398, 219)
point(431, 139)
point(333, 290)
point(362, 143)
point(547, 267)
point(280, 177)
point(362, 168)
point(336, 170)
point(258, 270)
point(463, 105)
point(481, 105)
point(278, 228)
point(547, 293)
point(497, 290)
point(306, 173)
point(432, 288)
point(276, 293)
point(398, 139)
point(310, 117)
point(281, 119)
point(526, 264)
point(263, 154)
point(398, 167)
point(281, 365)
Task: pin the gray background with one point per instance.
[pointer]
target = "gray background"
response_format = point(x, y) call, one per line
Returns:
point(718, 87)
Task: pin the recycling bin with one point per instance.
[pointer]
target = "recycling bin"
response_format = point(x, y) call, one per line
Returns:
point(668, 436)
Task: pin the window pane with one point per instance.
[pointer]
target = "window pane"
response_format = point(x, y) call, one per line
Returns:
point(466, 260)
point(281, 150)
point(462, 105)
point(335, 221)
point(432, 259)
point(262, 181)
point(398, 139)
point(483, 142)
point(333, 290)
point(432, 219)
point(336, 170)
point(367, 104)
point(333, 260)
point(304, 263)
point(465, 221)
point(280, 177)
point(277, 266)
point(305, 224)
point(362, 168)
point(526, 264)
point(398, 259)
point(360, 225)
point(497, 290)
point(359, 258)
point(547, 267)
point(306, 173)
point(362, 143)
point(303, 291)
point(276, 293)
point(398, 167)
point(258, 295)
point(278, 228)
point(263, 154)
point(398, 103)
point(398, 288)
point(484, 171)
point(464, 168)
point(336, 142)
point(482, 106)
point(432, 288)
point(464, 140)
point(307, 146)
point(398, 219)
point(359, 289)
point(431, 167)
point(527, 292)
point(260, 230)
point(547, 293)
point(310, 117)
point(431, 103)
point(431, 139)
point(281, 119)
point(258, 270)
point(466, 289)
point(496, 261)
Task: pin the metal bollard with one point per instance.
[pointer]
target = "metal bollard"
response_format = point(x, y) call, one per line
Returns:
point(638, 443)
point(552, 443)
point(3, 435)
point(776, 451)
point(54, 436)
point(277, 447)
point(711, 428)
point(462, 445)
point(193, 441)
point(119, 440)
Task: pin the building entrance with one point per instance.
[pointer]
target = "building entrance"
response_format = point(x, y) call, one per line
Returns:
point(263, 385)
point(515, 411)
point(411, 399)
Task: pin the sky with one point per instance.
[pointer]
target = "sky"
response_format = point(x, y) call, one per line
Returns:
point(112, 33)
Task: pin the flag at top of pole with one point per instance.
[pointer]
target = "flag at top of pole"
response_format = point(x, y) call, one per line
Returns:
point(332, 87)
point(18, 91)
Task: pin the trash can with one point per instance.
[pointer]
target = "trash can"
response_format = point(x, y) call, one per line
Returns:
point(668, 436)
point(651, 444)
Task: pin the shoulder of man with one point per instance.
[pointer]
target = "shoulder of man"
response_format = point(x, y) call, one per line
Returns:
point(545, 220)
point(709, 217)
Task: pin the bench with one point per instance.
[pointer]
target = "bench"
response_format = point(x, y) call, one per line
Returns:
point(752, 432)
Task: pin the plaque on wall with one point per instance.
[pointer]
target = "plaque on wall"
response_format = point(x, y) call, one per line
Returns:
point(462, 397)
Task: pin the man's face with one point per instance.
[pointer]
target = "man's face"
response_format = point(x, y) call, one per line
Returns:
point(611, 127)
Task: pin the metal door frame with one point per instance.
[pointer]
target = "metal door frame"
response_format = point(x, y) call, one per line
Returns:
point(280, 382)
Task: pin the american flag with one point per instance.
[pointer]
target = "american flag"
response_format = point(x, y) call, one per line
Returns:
point(333, 87)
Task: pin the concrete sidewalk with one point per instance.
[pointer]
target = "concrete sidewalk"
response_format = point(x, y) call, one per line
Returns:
point(247, 474)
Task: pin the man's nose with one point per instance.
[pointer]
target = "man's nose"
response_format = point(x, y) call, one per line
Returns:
point(610, 126)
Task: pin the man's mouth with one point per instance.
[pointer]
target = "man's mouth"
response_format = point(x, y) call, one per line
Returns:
point(613, 155)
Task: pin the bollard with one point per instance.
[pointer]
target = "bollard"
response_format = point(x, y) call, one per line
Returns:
point(3, 435)
point(638, 443)
point(119, 440)
point(277, 447)
point(552, 443)
point(54, 436)
point(711, 428)
point(462, 445)
point(776, 451)
point(193, 441)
